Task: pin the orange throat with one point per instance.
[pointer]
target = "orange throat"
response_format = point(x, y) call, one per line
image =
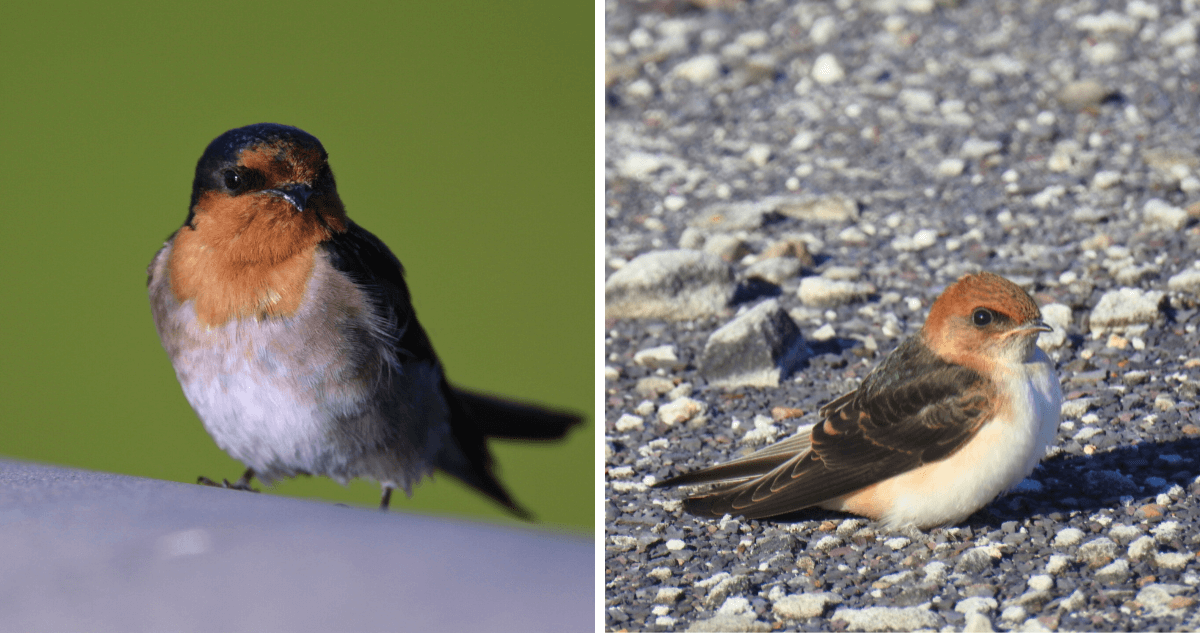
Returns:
point(244, 261)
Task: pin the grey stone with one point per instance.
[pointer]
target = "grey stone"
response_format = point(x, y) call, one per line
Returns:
point(731, 623)
point(775, 269)
point(1098, 552)
point(977, 559)
point(755, 349)
point(831, 209)
point(888, 619)
point(1114, 572)
point(725, 588)
point(668, 595)
point(804, 606)
point(821, 292)
point(677, 284)
point(1156, 599)
point(653, 386)
point(1067, 537)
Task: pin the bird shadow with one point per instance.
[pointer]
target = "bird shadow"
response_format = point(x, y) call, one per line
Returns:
point(1120, 479)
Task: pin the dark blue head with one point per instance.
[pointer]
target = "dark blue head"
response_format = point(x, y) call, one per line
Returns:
point(222, 166)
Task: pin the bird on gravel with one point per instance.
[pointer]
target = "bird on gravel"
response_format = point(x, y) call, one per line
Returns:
point(957, 414)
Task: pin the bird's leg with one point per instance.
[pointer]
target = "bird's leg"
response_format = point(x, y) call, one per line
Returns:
point(241, 484)
point(387, 498)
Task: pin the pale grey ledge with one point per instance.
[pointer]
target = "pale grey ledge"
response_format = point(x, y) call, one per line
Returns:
point(89, 551)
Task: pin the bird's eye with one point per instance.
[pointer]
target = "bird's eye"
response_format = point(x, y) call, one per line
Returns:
point(981, 317)
point(232, 179)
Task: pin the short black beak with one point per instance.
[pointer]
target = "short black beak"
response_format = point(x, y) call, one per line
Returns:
point(296, 194)
point(1036, 326)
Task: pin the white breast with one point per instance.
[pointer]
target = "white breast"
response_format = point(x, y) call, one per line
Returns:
point(315, 392)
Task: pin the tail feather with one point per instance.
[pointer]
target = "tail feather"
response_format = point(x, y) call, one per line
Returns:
point(505, 419)
point(476, 417)
point(753, 465)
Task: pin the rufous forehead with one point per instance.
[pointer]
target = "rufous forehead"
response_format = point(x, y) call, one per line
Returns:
point(992, 291)
point(283, 162)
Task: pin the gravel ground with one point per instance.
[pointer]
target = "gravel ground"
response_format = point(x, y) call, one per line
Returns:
point(848, 160)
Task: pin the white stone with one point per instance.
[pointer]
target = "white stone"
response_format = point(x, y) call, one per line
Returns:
point(917, 101)
point(1067, 537)
point(821, 292)
point(1157, 213)
point(1041, 582)
point(639, 165)
point(976, 604)
point(1142, 9)
point(1107, 22)
point(668, 595)
point(823, 30)
point(919, 241)
point(1141, 547)
point(804, 606)
point(758, 154)
point(1179, 35)
point(975, 148)
point(661, 357)
point(1102, 53)
point(1119, 309)
point(629, 422)
point(1186, 281)
point(1172, 560)
point(951, 167)
point(827, 70)
point(700, 69)
point(674, 202)
point(803, 141)
point(1105, 179)
point(681, 410)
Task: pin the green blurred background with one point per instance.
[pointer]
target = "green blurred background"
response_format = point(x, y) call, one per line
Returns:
point(461, 134)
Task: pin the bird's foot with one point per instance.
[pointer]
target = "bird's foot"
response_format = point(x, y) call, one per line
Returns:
point(241, 484)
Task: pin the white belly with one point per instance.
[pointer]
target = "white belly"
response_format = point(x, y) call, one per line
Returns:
point(268, 407)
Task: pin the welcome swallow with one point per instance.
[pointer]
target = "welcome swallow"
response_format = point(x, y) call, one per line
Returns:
point(292, 333)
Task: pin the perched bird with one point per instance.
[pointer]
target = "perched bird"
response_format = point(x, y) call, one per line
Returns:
point(293, 336)
point(957, 414)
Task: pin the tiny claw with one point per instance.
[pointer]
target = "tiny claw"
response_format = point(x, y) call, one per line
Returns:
point(241, 484)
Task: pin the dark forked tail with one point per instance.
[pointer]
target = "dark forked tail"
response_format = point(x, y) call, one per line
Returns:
point(474, 418)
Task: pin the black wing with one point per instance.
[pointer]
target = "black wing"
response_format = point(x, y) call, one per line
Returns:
point(369, 263)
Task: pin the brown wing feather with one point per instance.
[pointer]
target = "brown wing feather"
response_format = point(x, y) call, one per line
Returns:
point(755, 464)
point(913, 409)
